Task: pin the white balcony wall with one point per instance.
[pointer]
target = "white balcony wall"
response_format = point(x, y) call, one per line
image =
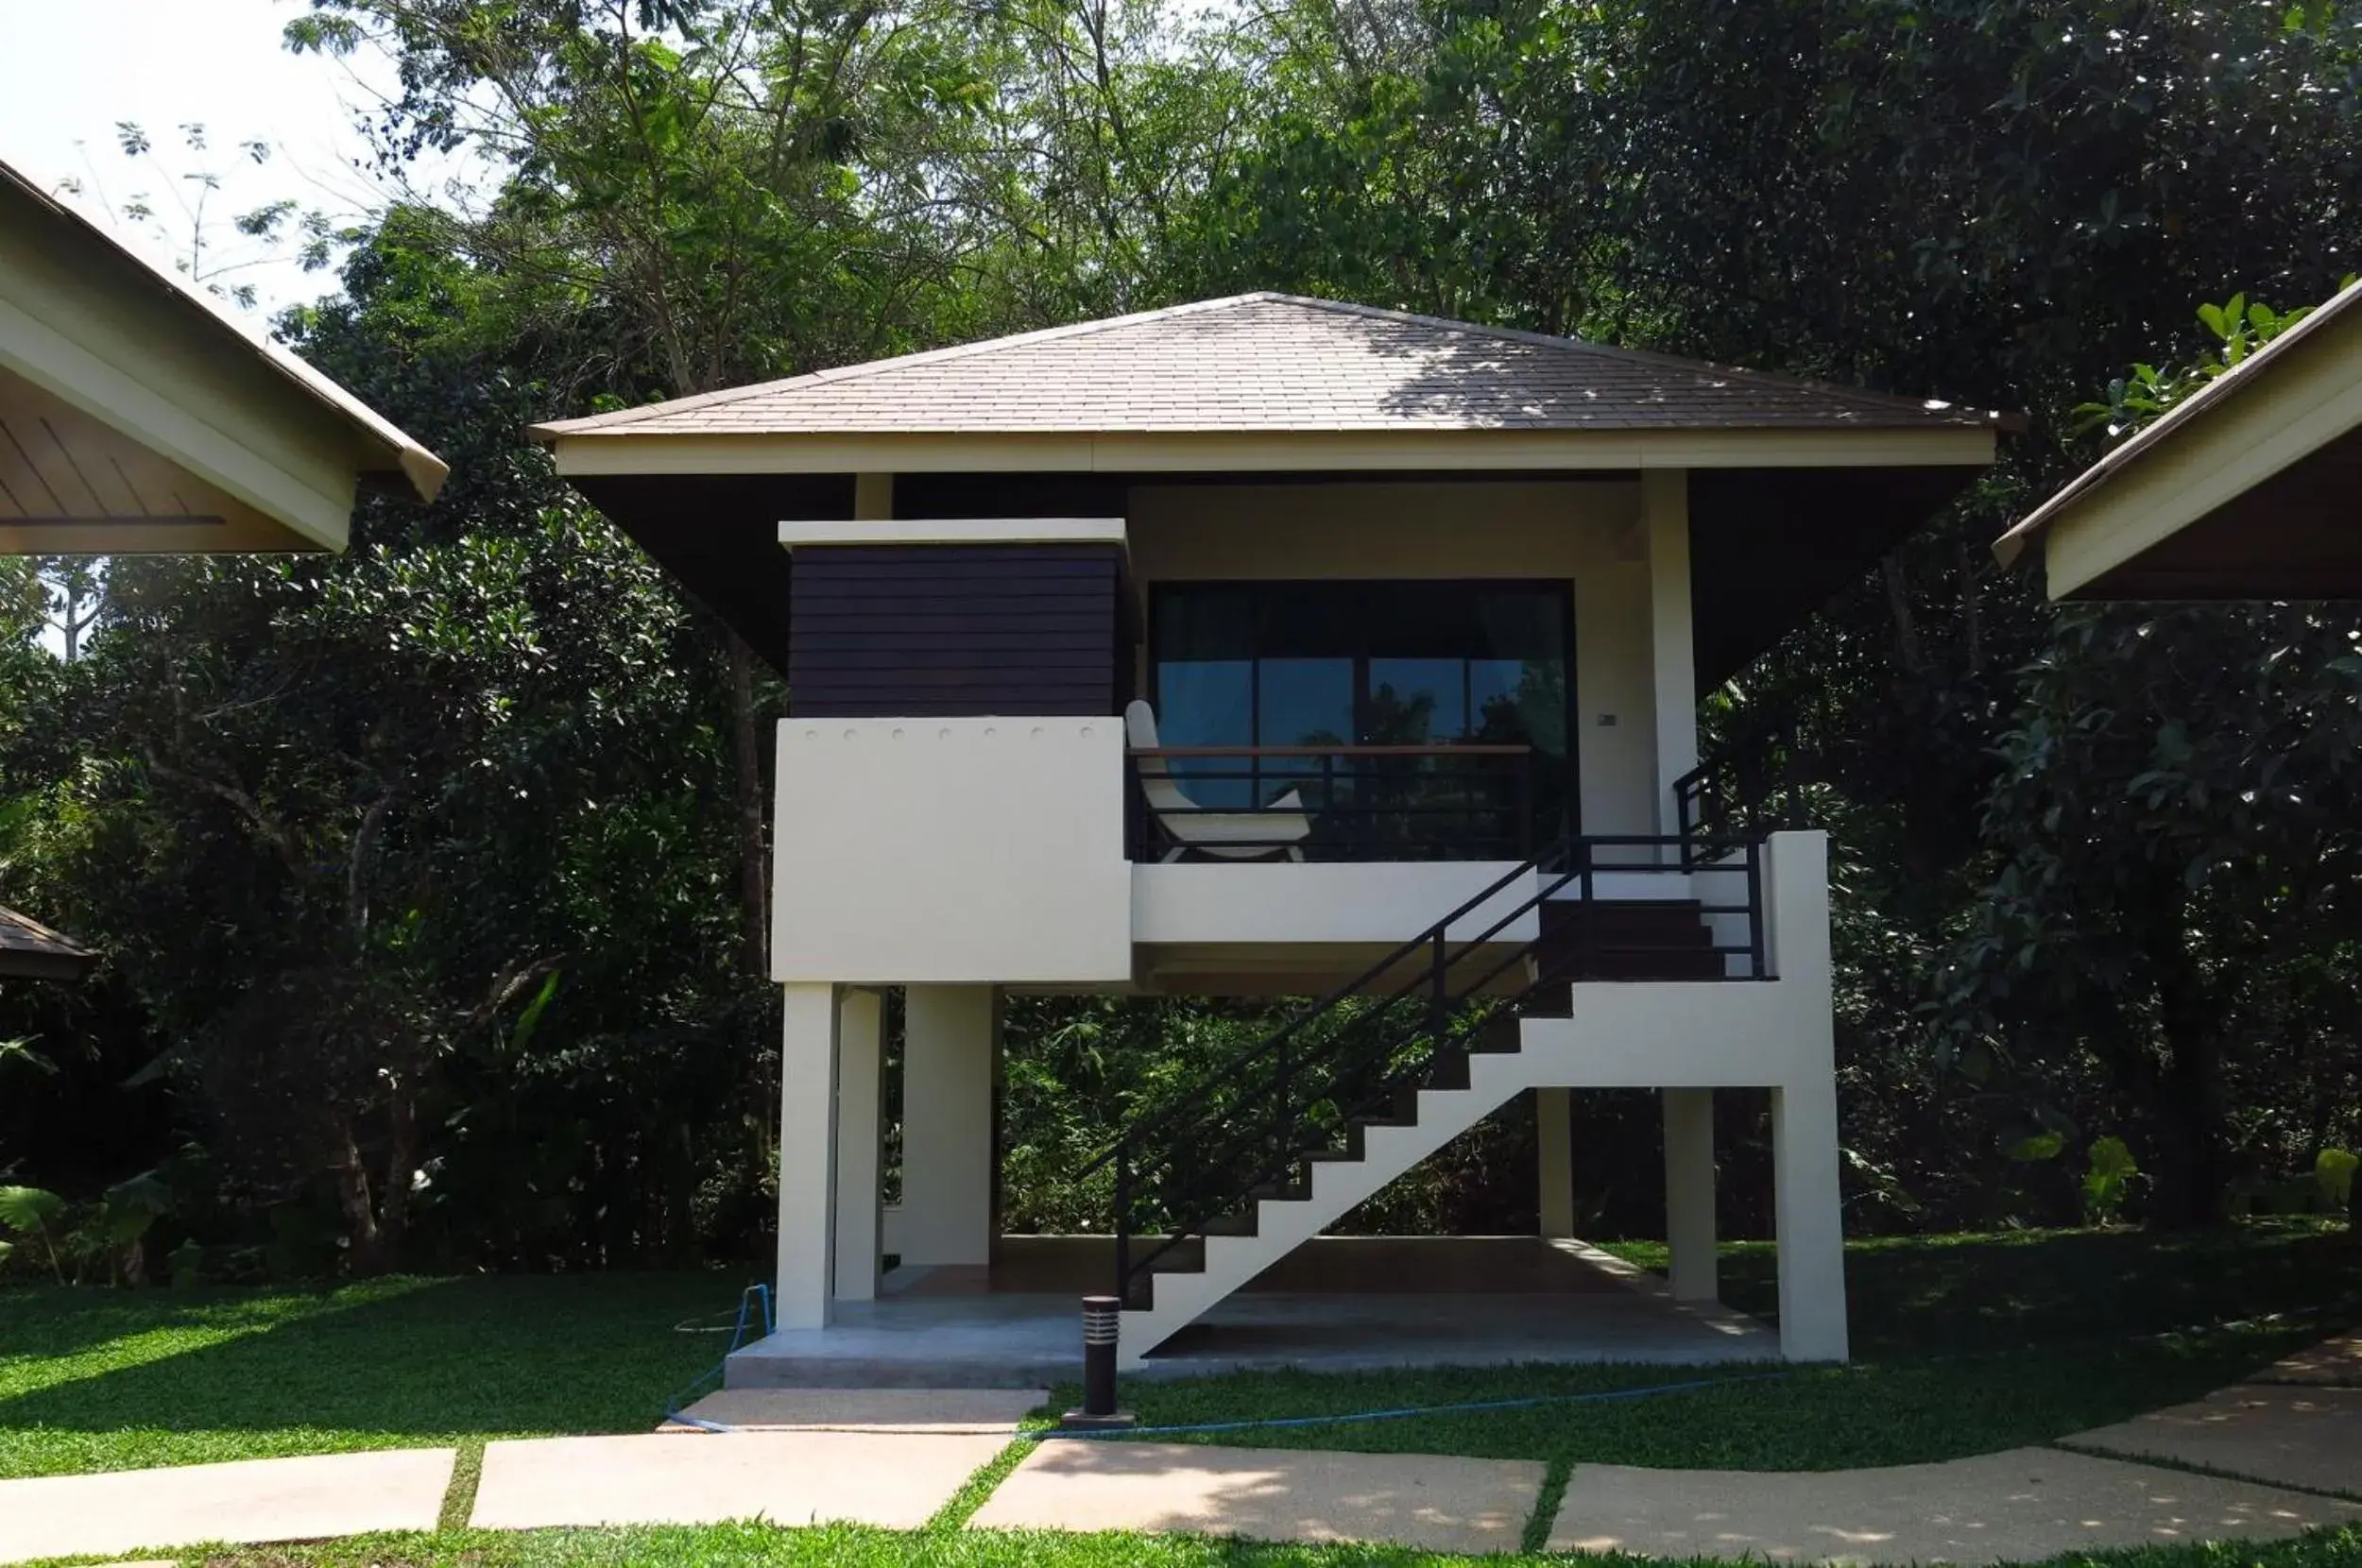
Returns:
point(949, 851)
point(1592, 533)
point(1279, 902)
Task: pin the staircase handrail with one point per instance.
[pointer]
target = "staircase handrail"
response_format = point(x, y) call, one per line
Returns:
point(1358, 985)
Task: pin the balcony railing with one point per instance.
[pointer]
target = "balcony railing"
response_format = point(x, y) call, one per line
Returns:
point(1333, 803)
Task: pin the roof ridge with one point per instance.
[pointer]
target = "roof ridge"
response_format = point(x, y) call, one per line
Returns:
point(896, 362)
point(1615, 351)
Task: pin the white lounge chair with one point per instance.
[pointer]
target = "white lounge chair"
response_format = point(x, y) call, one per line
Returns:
point(1278, 828)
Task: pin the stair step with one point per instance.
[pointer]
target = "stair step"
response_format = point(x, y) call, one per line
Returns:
point(1279, 1192)
point(1246, 1224)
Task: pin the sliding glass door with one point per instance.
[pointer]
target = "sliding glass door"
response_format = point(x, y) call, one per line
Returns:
point(1404, 697)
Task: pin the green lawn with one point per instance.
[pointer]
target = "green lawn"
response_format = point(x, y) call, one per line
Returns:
point(760, 1546)
point(94, 1379)
point(1963, 1345)
point(1967, 1344)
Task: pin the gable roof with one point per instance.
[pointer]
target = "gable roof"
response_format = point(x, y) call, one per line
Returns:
point(1272, 363)
point(392, 449)
point(2153, 445)
point(32, 950)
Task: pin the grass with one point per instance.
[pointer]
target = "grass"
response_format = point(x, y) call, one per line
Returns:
point(1964, 1345)
point(114, 1379)
point(1967, 1344)
point(763, 1546)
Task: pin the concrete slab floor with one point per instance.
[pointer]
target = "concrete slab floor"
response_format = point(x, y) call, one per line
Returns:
point(2290, 1436)
point(950, 1411)
point(2019, 1507)
point(894, 1481)
point(1445, 1505)
point(1006, 1341)
point(246, 1500)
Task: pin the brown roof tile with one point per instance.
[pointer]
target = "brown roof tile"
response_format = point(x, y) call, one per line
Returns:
point(1273, 361)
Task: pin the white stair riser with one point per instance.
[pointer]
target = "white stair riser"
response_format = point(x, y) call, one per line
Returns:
point(1282, 1224)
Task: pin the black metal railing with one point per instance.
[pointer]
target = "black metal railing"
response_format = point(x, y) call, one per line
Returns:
point(1333, 803)
point(1754, 784)
point(1253, 1127)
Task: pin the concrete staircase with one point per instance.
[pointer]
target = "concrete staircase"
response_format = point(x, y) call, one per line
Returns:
point(1460, 1088)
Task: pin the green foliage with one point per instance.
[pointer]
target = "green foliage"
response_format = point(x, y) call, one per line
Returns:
point(2108, 1180)
point(2335, 1171)
point(38, 1214)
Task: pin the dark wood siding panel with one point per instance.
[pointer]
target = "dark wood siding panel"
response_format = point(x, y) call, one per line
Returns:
point(956, 630)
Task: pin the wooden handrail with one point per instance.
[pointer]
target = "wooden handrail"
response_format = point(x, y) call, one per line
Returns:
point(1329, 751)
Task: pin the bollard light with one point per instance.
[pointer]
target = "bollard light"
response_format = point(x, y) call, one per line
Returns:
point(1102, 1324)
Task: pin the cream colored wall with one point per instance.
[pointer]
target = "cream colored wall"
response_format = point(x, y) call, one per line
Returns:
point(1586, 533)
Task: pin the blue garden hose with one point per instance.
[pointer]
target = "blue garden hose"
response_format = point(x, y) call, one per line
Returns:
point(754, 1295)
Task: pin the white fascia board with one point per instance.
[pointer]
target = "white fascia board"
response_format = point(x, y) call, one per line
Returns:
point(956, 531)
point(1364, 451)
point(2295, 407)
point(316, 504)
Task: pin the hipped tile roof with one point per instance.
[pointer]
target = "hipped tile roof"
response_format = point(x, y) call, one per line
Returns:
point(1273, 363)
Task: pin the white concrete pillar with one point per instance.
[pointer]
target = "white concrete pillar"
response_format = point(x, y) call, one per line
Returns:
point(1555, 1136)
point(1689, 1195)
point(1673, 663)
point(808, 1064)
point(859, 1143)
point(1808, 1204)
point(950, 1034)
point(1810, 1222)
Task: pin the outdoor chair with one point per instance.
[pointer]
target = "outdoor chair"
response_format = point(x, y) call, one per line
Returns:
point(1278, 828)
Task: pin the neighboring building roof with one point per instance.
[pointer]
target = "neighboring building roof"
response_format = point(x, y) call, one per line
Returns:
point(30, 951)
point(141, 415)
point(1273, 363)
point(2241, 490)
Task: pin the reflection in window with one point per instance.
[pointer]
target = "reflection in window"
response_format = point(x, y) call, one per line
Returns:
point(1373, 665)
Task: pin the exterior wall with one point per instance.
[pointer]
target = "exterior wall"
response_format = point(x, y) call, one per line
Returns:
point(933, 629)
point(1272, 901)
point(1588, 533)
point(951, 850)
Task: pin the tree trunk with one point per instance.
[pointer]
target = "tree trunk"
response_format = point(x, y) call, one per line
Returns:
point(2190, 1188)
point(366, 1253)
point(753, 852)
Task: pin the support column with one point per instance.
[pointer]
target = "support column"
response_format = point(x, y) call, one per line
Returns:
point(1810, 1217)
point(808, 1062)
point(1673, 661)
point(1554, 1135)
point(859, 1152)
point(950, 1034)
point(873, 498)
point(1689, 1195)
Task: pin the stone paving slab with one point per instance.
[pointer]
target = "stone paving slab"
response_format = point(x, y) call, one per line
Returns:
point(2021, 1505)
point(1445, 1505)
point(787, 1477)
point(2337, 1363)
point(2290, 1436)
point(245, 1500)
point(949, 1411)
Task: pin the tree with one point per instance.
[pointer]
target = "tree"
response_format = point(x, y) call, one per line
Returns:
point(2178, 830)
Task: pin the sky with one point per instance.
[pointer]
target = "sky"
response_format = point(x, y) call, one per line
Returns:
point(71, 69)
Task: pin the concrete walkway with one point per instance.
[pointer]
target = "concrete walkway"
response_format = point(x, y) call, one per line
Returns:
point(2019, 1506)
point(894, 1458)
point(245, 1501)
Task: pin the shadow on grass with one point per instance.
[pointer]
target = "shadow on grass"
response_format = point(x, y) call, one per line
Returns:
point(576, 1353)
point(1933, 1295)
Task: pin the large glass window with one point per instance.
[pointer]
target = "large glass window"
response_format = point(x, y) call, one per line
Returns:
point(1399, 665)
